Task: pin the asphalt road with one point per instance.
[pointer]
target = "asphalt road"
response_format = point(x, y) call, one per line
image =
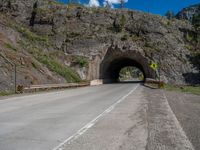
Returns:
point(43, 121)
point(106, 117)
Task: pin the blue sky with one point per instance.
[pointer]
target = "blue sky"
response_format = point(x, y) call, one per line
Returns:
point(154, 6)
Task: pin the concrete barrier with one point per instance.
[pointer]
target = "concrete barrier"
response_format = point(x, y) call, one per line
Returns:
point(153, 81)
point(36, 88)
point(96, 82)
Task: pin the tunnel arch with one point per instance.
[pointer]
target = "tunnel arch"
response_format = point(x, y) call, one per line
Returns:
point(115, 60)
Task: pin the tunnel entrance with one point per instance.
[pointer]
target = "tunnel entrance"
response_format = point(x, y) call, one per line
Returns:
point(115, 60)
point(131, 74)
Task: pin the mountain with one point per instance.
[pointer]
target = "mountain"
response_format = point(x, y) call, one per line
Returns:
point(189, 12)
point(55, 43)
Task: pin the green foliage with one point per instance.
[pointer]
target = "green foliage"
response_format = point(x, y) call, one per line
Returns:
point(170, 15)
point(123, 21)
point(35, 64)
point(74, 5)
point(189, 37)
point(136, 38)
point(185, 89)
point(124, 37)
point(129, 73)
point(189, 47)
point(81, 61)
point(55, 66)
point(51, 63)
point(196, 22)
point(5, 93)
point(119, 23)
point(73, 35)
point(30, 35)
point(10, 46)
point(53, 2)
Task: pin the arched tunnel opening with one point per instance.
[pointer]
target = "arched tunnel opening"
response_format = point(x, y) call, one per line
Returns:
point(112, 72)
point(131, 74)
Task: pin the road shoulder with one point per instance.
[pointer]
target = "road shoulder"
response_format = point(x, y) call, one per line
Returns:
point(186, 107)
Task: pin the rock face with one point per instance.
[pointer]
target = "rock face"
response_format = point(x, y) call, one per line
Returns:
point(188, 12)
point(107, 39)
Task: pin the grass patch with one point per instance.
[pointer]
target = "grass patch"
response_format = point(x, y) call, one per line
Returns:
point(81, 61)
point(185, 89)
point(55, 66)
point(30, 35)
point(5, 93)
point(10, 46)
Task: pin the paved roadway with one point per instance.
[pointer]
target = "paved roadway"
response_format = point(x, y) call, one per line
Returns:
point(106, 117)
point(43, 121)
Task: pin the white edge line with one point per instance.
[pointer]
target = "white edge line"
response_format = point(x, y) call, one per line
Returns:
point(187, 141)
point(93, 122)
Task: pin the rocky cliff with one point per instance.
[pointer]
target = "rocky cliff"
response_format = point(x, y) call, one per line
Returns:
point(189, 12)
point(54, 43)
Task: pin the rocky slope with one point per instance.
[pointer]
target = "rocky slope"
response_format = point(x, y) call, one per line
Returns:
point(189, 12)
point(55, 43)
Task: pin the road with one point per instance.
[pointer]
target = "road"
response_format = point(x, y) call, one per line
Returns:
point(43, 121)
point(106, 117)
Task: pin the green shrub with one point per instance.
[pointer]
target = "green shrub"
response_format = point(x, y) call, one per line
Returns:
point(124, 37)
point(189, 37)
point(185, 89)
point(81, 61)
point(137, 38)
point(5, 93)
point(52, 64)
point(64, 71)
point(10, 46)
point(119, 23)
point(30, 35)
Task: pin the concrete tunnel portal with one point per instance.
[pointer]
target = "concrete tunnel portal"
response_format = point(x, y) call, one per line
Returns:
point(115, 60)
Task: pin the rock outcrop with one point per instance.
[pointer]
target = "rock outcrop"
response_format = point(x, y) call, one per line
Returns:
point(189, 12)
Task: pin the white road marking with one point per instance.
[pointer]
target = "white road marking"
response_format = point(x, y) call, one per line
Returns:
point(92, 123)
point(183, 134)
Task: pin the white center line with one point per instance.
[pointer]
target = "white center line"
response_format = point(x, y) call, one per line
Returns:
point(92, 123)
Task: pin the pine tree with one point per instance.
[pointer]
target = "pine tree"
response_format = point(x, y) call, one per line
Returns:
point(122, 3)
point(107, 4)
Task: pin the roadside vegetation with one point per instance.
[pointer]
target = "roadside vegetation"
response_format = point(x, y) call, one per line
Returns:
point(81, 61)
point(5, 93)
point(55, 66)
point(131, 74)
point(185, 89)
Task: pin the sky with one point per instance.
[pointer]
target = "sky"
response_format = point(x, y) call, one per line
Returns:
point(152, 6)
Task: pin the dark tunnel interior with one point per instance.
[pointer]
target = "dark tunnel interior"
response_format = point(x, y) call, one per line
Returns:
point(110, 72)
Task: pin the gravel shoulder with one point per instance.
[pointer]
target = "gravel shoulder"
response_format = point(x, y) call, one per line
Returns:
point(187, 110)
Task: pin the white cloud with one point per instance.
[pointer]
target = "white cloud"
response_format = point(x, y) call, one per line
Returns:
point(94, 3)
point(112, 2)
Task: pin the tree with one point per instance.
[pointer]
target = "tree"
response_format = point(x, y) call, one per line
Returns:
point(196, 21)
point(170, 15)
point(107, 4)
point(122, 3)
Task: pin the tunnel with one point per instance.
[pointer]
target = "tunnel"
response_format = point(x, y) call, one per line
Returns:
point(115, 60)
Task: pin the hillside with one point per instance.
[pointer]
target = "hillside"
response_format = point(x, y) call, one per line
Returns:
point(54, 43)
point(189, 12)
